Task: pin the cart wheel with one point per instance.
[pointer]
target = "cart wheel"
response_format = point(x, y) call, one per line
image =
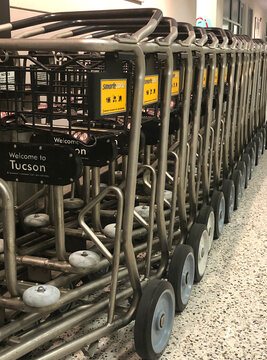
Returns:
point(242, 167)
point(238, 192)
point(181, 274)
point(258, 149)
point(198, 239)
point(228, 189)
point(251, 152)
point(218, 204)
point(206, 216)
point(246, 159)
point(154, 319)
point(263, 131)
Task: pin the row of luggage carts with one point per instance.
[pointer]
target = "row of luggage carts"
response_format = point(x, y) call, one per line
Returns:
point(127, 140)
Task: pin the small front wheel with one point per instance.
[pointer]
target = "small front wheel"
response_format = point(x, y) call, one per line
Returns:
point(181, 274)
point(198, 239)
point(218, 204)
point(247, 161)
point(242, 167)
point(228, 189)
point(206, 216)
point(238, 192)
point(154, 319)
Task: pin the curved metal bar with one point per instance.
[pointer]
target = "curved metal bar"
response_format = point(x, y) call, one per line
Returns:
point(82, 15)
point(9, 238)
point(173, 32)
point(214, 42)
point(191, 33)
point(90, 233)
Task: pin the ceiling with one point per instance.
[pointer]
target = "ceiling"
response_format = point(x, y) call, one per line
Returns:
point(262, 4)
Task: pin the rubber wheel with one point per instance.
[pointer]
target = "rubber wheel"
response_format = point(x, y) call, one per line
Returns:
point(198, 239)
point(181, 274)
point(251, 152)
point(257, 141)
point(238, 192)
point(206, 216)
point(263, 132)
point(218, 204)
point(228, 189)
point(246, 159)
point(242, 167)
point(154, 319)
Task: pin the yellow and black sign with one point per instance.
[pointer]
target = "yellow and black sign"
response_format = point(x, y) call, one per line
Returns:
point(175, 83)
point(204, 78)
point(225, 74)
point(151, 89)
point(113, 96)
point(216, 77)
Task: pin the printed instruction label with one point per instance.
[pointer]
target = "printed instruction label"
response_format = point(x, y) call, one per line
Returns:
point(175, 83)
point(42, 78)
point(225, 74)
point(204, 77)
point(216, 76)
point(7, 81)
point(113, 96)
point(151, 89)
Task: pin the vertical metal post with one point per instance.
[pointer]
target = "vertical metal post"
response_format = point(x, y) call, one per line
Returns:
point(5, 17)
point(9, 238)
point(86, 184)
point(59, 223)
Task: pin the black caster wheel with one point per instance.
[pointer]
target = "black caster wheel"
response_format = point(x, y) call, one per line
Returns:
point(242, 167)
point(206, 216)
point(181, 274)
point(246, 159)
point(252, 154)
point(154, 319)
point(198, 239)
point(263, 133)
point(228, 189)
point(258, 143)
point(218, 204)
point(236, 177)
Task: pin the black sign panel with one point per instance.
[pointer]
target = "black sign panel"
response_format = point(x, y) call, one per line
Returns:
point(39, 164)
point(100, 151)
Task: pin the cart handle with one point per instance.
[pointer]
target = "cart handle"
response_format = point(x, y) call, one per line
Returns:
point(201, 36)
point(245, 41)
point(152, 17)
point(173, 31)
point(213, 41)
point(221, 36)
point(232, 39)
point(166, 26)
point(187, 28)
point(96, 23)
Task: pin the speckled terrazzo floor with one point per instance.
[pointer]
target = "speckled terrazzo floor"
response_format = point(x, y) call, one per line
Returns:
point(226, 317)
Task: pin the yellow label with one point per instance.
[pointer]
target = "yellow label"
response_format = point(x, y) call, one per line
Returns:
point(151, 89)
point(216, 76)
point(113, 96)
point(225, 75)
point(175, 83)
point(204, 78)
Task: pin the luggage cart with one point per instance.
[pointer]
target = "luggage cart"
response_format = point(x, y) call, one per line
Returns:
point(65, 91)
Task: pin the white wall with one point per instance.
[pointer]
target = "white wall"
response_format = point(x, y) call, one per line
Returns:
point(181, 10)
point(207, 9)
point(259, 13)
point(213, 9)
